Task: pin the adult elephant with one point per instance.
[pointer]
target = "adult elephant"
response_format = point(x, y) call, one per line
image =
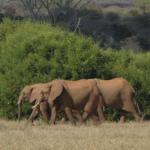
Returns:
point(81, 95)
point(118, 93)
point(30, 93)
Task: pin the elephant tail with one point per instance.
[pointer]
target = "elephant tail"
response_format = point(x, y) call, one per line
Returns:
point(99, 88)
point(97, 83)
point(137, 106)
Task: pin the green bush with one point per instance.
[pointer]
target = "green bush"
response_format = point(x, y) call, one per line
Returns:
point(34, 52)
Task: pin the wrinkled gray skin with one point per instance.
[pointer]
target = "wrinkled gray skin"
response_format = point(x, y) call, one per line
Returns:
point(118, 93)
point(30, 93)
point(82, 95)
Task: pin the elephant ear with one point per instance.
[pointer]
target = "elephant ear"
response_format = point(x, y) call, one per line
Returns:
point(56, 89)
point(25, 94)
point(29, 91)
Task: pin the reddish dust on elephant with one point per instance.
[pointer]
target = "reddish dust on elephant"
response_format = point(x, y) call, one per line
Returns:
point(89, 96)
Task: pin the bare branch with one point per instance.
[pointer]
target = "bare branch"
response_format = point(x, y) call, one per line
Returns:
point(78, 24)
point(84, 4)
point(77, 3)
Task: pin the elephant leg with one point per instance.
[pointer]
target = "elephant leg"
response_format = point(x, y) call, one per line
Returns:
point(89, 107)
point(101, 115)
point(53, 115)
point(122, 119)
point(64, 118)
point(94, 119)
point(77, 114)
point(130, 107)
point(69, 115)
point(122, 116)
point(136, 116)
point(34, 113)
point(100, 112)
point(44, 111)
point(85, 115)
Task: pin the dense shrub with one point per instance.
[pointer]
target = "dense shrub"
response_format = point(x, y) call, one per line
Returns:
point(34, 52)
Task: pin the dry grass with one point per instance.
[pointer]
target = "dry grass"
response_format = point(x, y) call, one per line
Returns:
point(108, 136)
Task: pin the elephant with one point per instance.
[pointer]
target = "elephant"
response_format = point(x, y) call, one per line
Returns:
point(81, 95)
point(37, 91)
point(118, 93)
point(30, 93)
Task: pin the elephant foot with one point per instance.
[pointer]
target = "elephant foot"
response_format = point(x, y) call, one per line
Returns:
point(122, 119)
point(139, 120)
point(33, 124)
point(96, 123)
point(103, 120)
point(95, 120)
point(142, 119)
point(51, 123)
point(81, 122)
point(84, 116)
point(63, 120)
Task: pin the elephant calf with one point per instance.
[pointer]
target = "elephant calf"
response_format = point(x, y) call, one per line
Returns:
point(28, 94)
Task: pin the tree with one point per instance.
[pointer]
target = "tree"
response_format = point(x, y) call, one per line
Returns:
point(53, 9)
point(143, 5)
point(33, 7)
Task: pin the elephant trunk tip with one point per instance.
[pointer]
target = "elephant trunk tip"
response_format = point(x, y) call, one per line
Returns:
point(19, 110)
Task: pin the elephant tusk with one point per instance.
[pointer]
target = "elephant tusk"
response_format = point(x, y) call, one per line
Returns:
point(35, 105)
point(18, 103)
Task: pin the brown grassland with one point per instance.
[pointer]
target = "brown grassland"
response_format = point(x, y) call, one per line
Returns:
point(107, 136)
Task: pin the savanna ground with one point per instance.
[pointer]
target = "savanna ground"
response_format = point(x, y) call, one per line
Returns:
point(108, 136)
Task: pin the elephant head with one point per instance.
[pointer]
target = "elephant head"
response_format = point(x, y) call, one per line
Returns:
point(50, 93)
point(40, 93)
point(46, 92)
point(25, 95)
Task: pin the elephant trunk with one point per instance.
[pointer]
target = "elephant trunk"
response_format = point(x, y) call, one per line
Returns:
point(19, 110)
point(33, 114)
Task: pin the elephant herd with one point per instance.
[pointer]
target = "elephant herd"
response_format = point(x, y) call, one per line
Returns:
point(78, 100)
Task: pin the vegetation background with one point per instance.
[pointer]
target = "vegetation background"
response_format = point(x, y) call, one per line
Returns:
point(73, 40)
